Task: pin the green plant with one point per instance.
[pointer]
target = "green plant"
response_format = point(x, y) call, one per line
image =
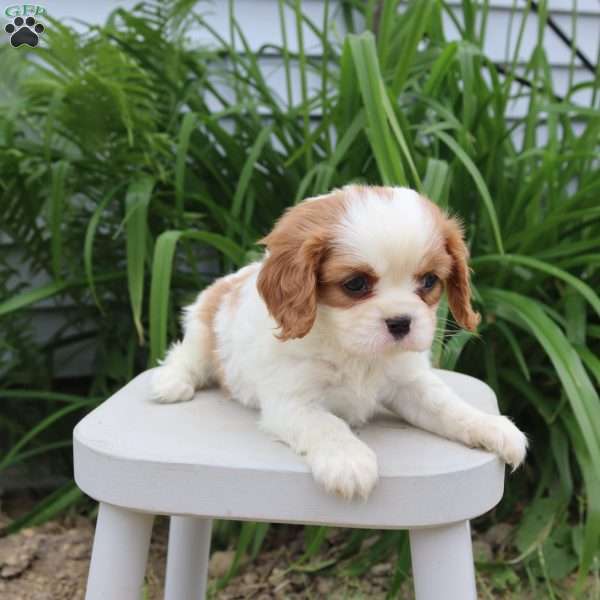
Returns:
point(129, 157)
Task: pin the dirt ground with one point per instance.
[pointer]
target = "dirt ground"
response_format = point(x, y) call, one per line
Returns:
point(50, 562)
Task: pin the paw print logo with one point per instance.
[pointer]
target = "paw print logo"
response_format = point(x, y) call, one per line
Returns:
point(24, 32)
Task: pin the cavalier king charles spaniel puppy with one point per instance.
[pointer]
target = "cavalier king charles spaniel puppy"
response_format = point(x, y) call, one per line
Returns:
point(336, 320)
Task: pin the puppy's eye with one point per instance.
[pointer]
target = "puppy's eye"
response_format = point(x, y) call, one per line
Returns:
point(429, 280)
point(357, 285)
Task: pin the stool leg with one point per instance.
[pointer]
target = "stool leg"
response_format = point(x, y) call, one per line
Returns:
point(442, 562)
point(119, 554)
point(187, 559)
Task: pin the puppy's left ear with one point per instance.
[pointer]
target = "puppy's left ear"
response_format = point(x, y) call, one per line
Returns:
point(458, 286)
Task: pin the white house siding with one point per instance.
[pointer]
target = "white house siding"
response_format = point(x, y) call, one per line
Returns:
point(260, 21)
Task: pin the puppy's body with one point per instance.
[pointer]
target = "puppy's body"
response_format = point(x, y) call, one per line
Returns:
point(295, 337)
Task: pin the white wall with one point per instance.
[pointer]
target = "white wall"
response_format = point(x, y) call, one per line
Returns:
point(260, 21)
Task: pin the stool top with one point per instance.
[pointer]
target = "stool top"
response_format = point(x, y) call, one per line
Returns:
point(207, 457)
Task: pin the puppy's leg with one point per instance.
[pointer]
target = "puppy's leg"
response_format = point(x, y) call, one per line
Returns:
point(339, 461)
point(429, 403)
point(189, 363)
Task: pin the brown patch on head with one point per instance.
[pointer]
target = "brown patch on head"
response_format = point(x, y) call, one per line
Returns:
point(298, 244)
point(448, 259)
point(339, 267)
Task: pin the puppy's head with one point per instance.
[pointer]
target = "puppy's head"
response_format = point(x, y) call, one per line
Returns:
point(370, 264)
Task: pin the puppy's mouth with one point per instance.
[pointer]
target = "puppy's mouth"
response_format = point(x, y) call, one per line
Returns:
point(414, 345)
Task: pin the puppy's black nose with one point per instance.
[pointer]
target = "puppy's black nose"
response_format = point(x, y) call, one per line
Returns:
point(398, 326)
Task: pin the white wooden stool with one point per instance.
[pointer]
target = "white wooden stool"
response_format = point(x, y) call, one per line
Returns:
point(207, 459)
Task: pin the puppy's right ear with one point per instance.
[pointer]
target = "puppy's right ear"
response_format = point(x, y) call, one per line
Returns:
point(458, 285)
point(287, 280)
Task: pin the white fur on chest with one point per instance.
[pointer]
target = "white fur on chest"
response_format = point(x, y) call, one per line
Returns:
point(253, 359)
point(352, 391)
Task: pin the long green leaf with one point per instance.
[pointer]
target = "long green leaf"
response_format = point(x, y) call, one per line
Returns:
point(88, 244)
point(454, 348)
point(50, 507)
point(188, 123)
point(419, 15)
point(47, 396)
point(372, 90)
point(137, 200)
point(592, 483)
point(160, 287)
point(249, 166)
point(584, 400)
point(49, 290)
point(57, 216)
point(39, 428)
point(479, 183)
point(539, 265)
point(436, 181)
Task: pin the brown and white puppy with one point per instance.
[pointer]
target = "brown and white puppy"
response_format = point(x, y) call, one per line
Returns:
point(337, 319)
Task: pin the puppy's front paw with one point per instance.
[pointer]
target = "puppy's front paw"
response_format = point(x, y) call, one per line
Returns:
point(170, 385)
point(500, 435)
point(347, 468)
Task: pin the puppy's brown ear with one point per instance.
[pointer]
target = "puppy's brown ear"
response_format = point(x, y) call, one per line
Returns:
point(458, 287)
point(287, 280)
